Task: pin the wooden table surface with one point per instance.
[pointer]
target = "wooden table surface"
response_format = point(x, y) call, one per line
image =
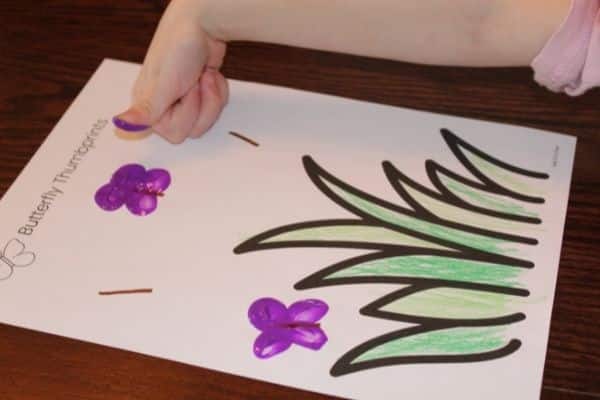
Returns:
point(49, 49)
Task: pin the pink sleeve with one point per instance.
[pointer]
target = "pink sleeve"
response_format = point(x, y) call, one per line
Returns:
point(570, 60)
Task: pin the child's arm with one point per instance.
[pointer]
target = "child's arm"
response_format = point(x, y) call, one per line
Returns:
point(180, 92)
point(456, 32)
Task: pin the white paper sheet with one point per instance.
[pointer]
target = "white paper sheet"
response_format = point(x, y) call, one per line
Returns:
point(225, 191)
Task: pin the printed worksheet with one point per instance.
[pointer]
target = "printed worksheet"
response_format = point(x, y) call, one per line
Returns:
point(338, 246)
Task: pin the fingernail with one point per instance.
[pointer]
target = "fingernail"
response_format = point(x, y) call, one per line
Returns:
point(121, 123)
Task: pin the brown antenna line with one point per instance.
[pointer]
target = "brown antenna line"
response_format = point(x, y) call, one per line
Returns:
point(244, 138)
point(128, 291)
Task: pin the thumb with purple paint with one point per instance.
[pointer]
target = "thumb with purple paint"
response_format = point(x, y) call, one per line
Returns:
point(179, 92)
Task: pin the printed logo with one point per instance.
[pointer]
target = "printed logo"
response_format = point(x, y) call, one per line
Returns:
point(12, 256)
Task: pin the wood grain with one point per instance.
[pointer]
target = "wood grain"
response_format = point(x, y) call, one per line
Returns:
point(49, 49)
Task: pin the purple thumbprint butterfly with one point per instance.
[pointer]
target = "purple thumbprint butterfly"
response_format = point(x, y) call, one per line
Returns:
point(281, 326)
point(135, 187)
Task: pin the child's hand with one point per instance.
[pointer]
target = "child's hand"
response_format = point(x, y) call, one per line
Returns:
point(180, 91)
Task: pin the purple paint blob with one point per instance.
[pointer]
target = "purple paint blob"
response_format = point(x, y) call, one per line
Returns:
point(110, 197)
point(283, 326)
point(128, 176)
point(133, 186)
point(128, 126)
point(141, 204)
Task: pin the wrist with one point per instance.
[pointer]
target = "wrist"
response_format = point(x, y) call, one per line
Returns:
point(223, 19)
